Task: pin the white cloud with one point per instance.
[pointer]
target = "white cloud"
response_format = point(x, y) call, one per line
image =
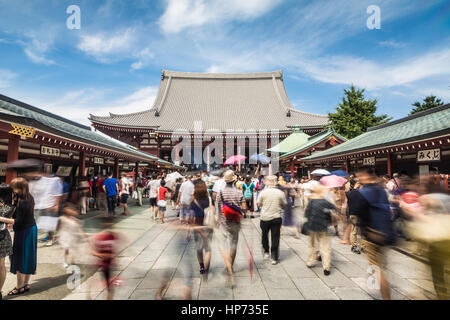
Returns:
point(105, 47)
point(6, 78)
point(38, 45)
point(392, 44)
point(181, 14)
point(372, 75)
point(78, 104)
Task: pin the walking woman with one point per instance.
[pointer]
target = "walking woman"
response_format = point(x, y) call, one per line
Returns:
point(202, 234)
point(24, 257)
point(6, 212)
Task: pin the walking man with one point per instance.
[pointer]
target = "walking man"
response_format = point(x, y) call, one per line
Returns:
point(111, 188)
point(272, 202)
point(140, 184)
point(185, 198)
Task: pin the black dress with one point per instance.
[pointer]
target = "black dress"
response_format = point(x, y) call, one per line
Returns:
point(6, 248)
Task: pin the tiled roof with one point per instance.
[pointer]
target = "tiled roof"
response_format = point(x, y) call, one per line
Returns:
point(313, 140)
point(291, 142)
point(20, 112)
point(219, 101)
point(430, 123)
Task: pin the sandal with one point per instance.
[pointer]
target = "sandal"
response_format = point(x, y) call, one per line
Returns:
point(15, 291)
point(26, 287)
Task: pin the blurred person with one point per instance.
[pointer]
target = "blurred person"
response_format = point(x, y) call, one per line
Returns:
point(24, 256)
point(202, 234)
point(102, 203)
point(105, 247)
point(70, 233)
point(125, 186)
point(394, 184)
point(231, 204)
point(175, 193)
point(84, 193)
point(152, 185)
point(372, 207)
point(219, 185)
point(140, 184)
point(111, 188)
point(6, 211)
point(93, 185)
point(272, 202)
point(161, 201)
point(248, 189)
point(47, 192)
point(353, 217)
point(185, 198)
point(318, 218)
point(292, 190)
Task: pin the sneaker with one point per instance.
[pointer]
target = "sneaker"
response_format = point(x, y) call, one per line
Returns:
point(274, 262)
point(202, 270)
point(326, 272)
point(318, 257)
point(50, 243)
point(45, 239)
point(266, 255)
point(65, 265)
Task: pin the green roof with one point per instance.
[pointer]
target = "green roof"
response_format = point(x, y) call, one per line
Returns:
point(313, 140)
point(298, 137)
point(426, 124)
point(15, 111)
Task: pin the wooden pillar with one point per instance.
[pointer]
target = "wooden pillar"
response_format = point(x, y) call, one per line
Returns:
point(347, 165)
point(292, 168)
point(81, 164)
point(13, 155)
point(116, 168)
point(390, 164)
point(136, 171)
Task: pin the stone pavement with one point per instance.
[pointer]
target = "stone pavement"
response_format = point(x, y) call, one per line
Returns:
point(152, 252)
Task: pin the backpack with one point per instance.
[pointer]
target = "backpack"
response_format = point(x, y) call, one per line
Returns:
point(231, 211)
point(248, 194)
point(379, 228)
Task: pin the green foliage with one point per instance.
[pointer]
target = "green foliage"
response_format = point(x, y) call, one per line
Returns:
point(355, 114)
point(428, 103)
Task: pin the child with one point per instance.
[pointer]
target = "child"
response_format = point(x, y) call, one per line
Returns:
point(161, 202)
point(105, 246)
point(69, 232)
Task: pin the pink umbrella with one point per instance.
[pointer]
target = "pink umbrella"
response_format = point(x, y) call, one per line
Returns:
point(235, 159)
point(333, 181)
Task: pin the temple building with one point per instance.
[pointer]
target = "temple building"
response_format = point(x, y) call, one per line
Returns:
point(245, 108)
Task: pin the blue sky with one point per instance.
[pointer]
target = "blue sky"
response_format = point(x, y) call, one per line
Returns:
point(113, 63)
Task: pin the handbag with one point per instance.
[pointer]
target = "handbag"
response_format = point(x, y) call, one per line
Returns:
point(304, 229)
point(210, 219)
point(231, 211)
point(134, 195)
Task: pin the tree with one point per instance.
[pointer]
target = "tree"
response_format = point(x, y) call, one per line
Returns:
point(355, 114)
point(428, 103)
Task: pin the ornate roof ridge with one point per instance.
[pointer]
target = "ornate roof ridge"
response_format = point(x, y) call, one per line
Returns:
point(206, 75)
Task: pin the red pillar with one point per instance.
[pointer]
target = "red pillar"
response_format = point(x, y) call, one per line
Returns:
point(136, 171)
point(347, 165)
point(81, 164)
point(389, 164)
point(13, 154)
point(292, 168)
point(116, 168)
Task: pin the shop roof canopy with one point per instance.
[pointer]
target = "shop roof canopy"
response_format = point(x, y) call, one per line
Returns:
point(312, 141)
point(423, 125)
point(17, 112)
point(295, 139)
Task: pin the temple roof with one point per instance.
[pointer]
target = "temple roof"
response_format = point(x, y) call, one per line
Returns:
point(422, 125)
point(221, 101)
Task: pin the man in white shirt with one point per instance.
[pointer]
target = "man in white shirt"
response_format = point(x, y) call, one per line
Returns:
point(185, 197)
point(152, 186)
point(125, 185)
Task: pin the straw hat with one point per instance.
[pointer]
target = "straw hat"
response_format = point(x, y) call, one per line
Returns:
point(229, 176)
point(270, 181)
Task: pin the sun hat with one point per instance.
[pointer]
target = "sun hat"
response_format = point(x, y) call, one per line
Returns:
point(271, 181)
point(229, 176)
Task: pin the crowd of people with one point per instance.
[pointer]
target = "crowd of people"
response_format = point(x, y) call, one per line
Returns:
point(367, 212)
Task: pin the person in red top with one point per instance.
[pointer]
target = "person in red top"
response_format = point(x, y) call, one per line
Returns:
point(105, 245)
point(161, 202)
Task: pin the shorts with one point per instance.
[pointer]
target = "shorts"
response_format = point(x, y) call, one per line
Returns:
point(153, 202)
point(230, 234)
point(200, 243)
point(124, 198)
point(162, 209)
point(375, 254)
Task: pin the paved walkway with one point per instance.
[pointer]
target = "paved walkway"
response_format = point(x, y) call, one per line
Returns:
point(153, 251)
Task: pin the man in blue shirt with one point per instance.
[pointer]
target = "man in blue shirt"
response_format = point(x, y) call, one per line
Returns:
point(111, 187)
